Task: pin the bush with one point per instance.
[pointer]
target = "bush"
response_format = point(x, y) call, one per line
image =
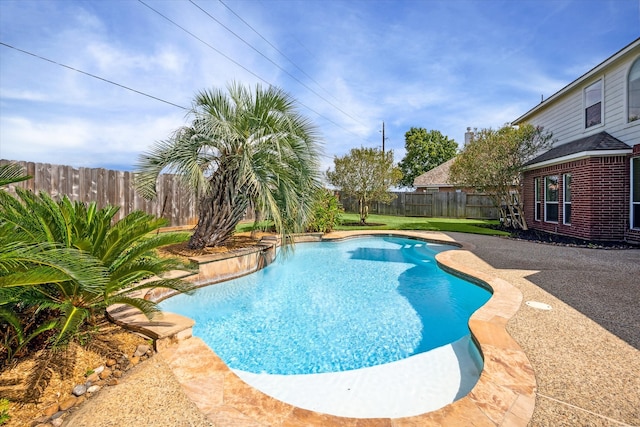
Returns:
point(326, 212)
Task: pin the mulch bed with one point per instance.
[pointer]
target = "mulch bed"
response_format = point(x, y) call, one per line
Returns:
point(558, 240)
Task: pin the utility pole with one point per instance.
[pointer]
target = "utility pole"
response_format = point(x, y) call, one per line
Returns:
point(383, 138)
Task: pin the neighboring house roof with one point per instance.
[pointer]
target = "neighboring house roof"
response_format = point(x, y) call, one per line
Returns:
point(436, 177)
point(596, 70)
point(598, 144)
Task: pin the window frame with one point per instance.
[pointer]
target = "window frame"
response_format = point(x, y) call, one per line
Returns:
point(585, 106)
point(551, 202)
point(537, 202)
point(566, 203)
point(635, 63)
point(634, 204)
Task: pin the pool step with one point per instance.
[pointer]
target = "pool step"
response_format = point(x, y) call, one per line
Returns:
point(165, 329)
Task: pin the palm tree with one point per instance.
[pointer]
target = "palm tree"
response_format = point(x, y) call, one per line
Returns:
point(241, 147)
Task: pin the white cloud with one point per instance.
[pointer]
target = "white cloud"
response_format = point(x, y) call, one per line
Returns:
point(81, 142)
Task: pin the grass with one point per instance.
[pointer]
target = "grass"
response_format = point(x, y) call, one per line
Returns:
point(388, 222)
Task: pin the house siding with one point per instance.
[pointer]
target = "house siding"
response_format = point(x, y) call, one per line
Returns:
point(601, 184)
point(565, 117)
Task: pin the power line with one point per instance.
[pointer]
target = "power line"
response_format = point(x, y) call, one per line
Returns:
point(103, 79)
point(274, 63)
point(277, 50)
point(242, 66)
point(207, 44)
point(93, 75)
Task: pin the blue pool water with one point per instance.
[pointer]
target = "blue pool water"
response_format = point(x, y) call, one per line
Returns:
point(334, 306)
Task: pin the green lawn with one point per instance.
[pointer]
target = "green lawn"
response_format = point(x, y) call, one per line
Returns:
point(475, 226)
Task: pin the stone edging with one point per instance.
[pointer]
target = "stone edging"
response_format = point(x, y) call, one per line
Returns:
point(504, 394)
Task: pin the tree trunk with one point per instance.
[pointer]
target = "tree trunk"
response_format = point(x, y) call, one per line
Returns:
point(219, 212)
point(364, 210)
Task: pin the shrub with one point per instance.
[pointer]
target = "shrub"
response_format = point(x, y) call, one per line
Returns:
point(326, 212)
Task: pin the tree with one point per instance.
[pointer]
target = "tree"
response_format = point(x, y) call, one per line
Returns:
point(425, 150)
point(493, 162)
point(241, 147)
point(367, 174)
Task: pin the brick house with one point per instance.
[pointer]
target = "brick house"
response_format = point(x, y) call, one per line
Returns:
point(588, 184)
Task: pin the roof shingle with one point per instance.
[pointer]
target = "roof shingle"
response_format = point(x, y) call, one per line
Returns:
point(599, 142)
point(436, 177)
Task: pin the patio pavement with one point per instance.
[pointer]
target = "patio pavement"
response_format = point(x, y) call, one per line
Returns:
point(585, 351)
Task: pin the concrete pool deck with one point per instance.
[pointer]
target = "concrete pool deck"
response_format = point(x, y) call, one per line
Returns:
point(585, 374)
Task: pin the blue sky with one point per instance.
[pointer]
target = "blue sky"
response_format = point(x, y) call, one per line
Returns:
point(436, 64)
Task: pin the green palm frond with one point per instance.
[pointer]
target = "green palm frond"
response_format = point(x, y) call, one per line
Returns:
point(69, 324)
point(148, 308)
point(47, 264)
point(178, 285)
point(11, 173)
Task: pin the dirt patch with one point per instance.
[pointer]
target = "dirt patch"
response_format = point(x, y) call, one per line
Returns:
point(237, 241)
point(43, 379)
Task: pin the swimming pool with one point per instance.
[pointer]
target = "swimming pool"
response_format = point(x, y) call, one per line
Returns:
point(336, 307)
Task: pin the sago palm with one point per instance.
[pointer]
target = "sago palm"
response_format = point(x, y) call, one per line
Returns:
point(242, 146)
point(72, 259)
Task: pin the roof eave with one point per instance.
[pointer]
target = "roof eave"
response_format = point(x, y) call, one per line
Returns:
point(578, 156)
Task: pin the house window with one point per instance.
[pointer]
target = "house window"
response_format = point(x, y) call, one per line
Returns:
point(566, 198)
point(551, 198)
point(536, 190)
point(593, 104)
point(635, 193)
point(634, 91)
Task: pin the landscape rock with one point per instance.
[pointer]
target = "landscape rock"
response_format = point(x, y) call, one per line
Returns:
point(99, 369)
point(113, 381)
point(68, 403)
point(111, 362)
point(40, 421)
point(93, 389)
point(93, 377)
point(50, 410)
point(57, 422)
point(141, 350)
point(79, 390)
point(117, 373)
point(134, 361)
point(57, 415)
point(105, 374)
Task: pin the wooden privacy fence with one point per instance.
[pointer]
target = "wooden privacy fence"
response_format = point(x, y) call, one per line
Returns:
point(435, 204)
point(110, 187)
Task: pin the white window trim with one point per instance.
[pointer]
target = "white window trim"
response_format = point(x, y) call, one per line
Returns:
point(536, 198)
point(550, 202)
point(631, 202)
point(564, 199)
point(584, 105)
point(626, 94)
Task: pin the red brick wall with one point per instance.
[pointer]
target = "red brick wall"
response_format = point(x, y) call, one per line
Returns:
point(599, 201)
